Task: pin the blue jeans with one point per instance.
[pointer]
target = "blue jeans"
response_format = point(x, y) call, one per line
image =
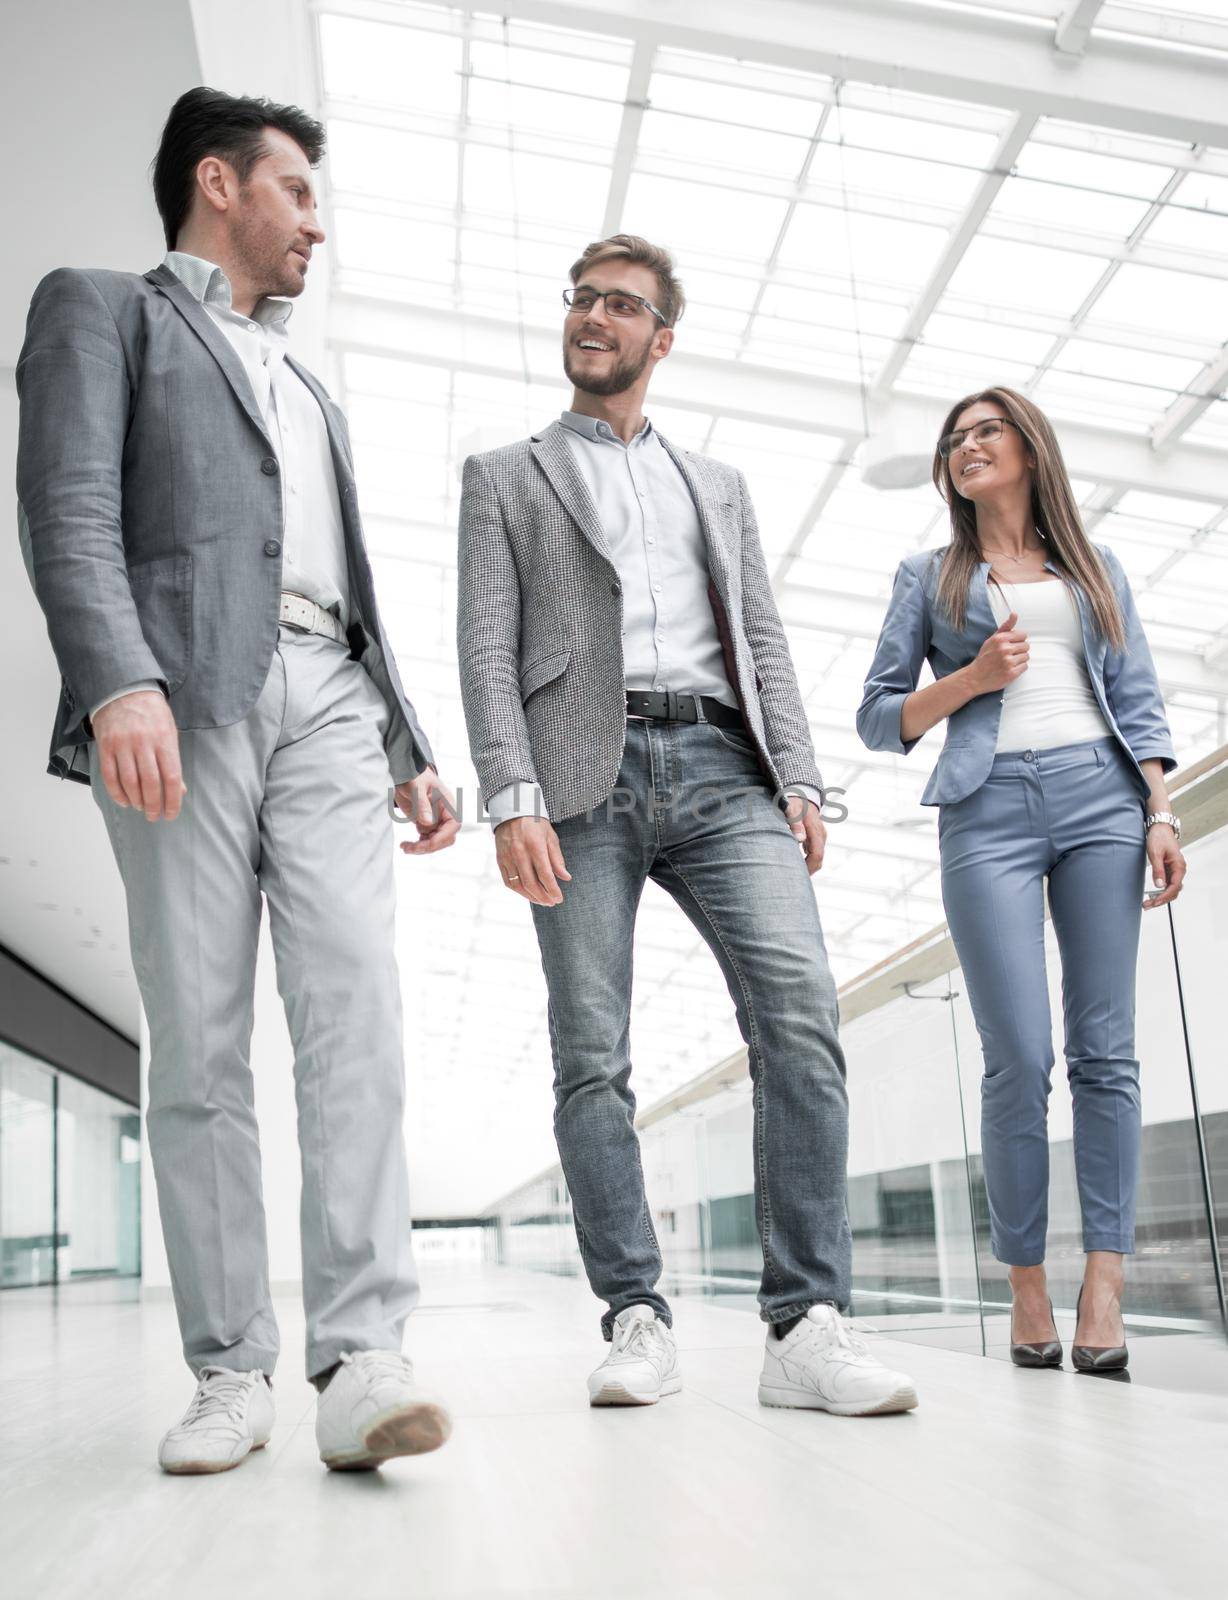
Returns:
point(1073, 814)
point(693, 811)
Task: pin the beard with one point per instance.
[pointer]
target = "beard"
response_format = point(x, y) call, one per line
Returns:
point(267, 258)
point(622, 375)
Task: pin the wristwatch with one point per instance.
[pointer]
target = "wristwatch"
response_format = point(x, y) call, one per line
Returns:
point(1165, 816)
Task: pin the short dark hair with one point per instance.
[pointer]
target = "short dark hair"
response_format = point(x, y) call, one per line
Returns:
point(205, 122)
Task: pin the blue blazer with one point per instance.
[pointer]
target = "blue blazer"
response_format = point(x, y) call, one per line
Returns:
point(914, 631)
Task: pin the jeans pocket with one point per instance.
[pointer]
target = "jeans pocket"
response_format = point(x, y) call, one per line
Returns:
point(737, 739)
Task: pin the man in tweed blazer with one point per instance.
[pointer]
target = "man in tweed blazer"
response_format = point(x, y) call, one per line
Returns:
point(633, 713)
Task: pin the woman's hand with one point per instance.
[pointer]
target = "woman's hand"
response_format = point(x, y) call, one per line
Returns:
point(1167, 864)
point(1001, 659)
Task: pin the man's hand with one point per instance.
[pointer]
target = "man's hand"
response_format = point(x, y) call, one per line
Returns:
point(138, 752)
point(430, 807)
point(530, 859)
point(808, 829)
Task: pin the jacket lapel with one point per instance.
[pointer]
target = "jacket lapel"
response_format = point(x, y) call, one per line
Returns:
point(553, 454)
point(980, 620)
point(706, 505)
point(214, 340)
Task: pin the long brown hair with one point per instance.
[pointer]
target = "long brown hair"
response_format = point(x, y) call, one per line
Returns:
point(1054, 513)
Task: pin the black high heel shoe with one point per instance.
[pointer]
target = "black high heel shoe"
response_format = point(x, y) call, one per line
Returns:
point(1038, 1352)
point(1098, 1357)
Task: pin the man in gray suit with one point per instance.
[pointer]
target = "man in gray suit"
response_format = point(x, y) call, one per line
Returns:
point(633, 713)
point(192, 533)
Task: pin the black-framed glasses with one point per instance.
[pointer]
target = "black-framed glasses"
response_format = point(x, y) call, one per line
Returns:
point(983, 432)
point(618, 302)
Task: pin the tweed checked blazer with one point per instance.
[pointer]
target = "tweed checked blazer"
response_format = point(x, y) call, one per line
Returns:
point(539, 625)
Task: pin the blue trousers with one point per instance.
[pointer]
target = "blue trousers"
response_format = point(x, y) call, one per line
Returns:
point(693, 812)
point(1074, 815)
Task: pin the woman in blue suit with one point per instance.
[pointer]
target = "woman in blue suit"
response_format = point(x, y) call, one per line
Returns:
point(1053, 769)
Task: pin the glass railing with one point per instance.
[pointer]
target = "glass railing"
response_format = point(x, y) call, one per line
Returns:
point(70, 1177)
point(916, 1195)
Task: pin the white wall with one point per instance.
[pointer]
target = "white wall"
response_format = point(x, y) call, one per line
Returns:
point(84, 90)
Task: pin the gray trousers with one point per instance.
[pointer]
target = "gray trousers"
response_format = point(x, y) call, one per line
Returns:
point(291, 801)
point(1073, 815)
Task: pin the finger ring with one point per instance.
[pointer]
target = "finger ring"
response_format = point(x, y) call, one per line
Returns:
point(513, 877)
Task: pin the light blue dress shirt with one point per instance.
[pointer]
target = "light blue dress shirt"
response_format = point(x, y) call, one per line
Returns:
point(652, 527)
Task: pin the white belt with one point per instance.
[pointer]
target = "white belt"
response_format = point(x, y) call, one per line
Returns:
point(297, 611)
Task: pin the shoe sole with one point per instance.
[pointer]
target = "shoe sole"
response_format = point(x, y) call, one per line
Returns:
point(185, 1469)
point(613, 1393)
point(797, 1399)
point(413, 1430)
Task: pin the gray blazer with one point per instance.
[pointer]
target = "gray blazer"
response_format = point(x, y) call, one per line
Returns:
point(915, 630)
point(151, 503)
point(539, 625)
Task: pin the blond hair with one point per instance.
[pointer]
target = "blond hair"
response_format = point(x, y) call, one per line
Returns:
point(671, 302)
point(1054, 513)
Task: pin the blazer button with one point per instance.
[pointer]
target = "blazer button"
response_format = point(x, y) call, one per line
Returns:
point(272, 547)
point(616, 588)
point(269, 466)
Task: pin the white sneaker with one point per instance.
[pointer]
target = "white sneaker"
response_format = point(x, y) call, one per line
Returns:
point(642, 1365)
point(231, 1414)
point(822, 1365)
point(372, 1411)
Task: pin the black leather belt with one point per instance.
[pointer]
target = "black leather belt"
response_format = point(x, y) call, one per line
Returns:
point(665, 706)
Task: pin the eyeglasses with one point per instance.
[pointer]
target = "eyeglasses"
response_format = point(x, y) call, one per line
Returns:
point(618, 302)
point(983, 432)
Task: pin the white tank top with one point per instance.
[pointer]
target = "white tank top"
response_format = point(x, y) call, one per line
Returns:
point(1053, 702)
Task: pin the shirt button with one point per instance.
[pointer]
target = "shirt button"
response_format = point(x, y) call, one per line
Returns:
point(656, 588)
point(651, 540)
point(269, 466)
point(272, 547)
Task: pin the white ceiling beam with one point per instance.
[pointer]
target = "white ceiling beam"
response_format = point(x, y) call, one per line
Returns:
point(1205, 390)
point(1004, 158)
point(710, 385)
point(996, 60)
point(1074, 26)
point(1164, 27)
point(628, 136)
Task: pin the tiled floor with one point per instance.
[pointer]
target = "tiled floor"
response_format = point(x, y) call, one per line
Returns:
point(1002, 1484)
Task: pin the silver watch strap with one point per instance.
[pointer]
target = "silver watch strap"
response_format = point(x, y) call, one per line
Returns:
point(1173, 821)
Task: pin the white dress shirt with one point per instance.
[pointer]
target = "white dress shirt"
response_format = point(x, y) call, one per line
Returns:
point(652, 526)
point(313, 536)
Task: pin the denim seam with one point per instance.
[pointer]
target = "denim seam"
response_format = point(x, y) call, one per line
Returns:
point(555, 1051)
point(753, 1046)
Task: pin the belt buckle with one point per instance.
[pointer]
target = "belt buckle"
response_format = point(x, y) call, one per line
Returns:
point(639, 716)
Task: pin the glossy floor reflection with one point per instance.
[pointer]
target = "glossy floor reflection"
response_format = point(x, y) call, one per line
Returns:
point(1003, 1482)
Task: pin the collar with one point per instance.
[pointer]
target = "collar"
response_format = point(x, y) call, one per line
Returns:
point(206, 282)
point(599, 431)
